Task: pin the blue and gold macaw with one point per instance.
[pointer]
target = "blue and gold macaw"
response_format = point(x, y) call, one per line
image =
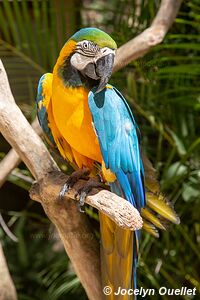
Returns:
point(91, 124)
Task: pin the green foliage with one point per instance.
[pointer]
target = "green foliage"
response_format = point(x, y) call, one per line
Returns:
point(163, 91)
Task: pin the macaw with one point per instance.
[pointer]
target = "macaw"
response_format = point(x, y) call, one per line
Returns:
point(92, 126)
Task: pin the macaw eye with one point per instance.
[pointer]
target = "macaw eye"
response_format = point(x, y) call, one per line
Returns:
point(85, 45)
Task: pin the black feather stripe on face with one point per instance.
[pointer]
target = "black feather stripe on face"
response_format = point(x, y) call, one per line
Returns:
point(87, 54)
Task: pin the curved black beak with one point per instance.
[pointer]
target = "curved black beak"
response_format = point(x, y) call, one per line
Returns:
point(104, 66)
point(99, 71)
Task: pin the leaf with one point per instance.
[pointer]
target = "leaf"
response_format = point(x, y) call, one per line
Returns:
point(179, 144)
point(176, 170)
point(190, 192)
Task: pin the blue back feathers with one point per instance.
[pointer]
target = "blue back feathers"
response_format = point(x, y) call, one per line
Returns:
point(118, 139)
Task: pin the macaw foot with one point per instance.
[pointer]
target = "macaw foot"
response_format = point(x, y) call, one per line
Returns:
point(82, 193)
point(73, 178)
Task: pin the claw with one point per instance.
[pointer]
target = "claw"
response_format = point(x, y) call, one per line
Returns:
point(82, 198)
point(75, 176)
point(84, 191)
point(82, 210)
point(64, 190)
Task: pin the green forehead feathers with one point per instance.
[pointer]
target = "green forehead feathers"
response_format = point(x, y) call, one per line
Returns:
point(95, 35)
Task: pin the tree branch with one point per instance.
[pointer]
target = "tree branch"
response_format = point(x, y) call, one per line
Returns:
point(150, 37)
point(12, 159)
point(78, 239)
point(75, 231)
point(7, 288)
point(18, 131)
point(118, 209)
point(8, 164)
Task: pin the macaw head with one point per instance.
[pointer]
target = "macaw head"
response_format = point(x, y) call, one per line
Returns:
point(90, 53)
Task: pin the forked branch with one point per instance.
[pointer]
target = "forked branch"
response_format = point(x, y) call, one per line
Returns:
point(150, 37)
point(75, 232)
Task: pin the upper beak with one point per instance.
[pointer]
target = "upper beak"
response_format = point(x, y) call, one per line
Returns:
point(104, 66)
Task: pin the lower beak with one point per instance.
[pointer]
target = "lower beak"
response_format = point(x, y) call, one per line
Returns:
point(104, 66)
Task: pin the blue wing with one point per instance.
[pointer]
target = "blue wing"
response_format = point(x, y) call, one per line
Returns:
point(118, 138)
point(42, 100)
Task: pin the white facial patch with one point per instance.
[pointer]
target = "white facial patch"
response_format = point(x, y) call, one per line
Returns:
point(88, 52)
point(80, 61)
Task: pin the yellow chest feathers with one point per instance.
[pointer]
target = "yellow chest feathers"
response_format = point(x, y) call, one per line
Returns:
point(73, 119)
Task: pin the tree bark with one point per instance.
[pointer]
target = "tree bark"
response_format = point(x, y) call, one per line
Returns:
point(150, 37)
point(7, 288)
point(74, 229)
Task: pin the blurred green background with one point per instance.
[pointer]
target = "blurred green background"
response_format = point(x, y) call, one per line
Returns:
point(164, 92)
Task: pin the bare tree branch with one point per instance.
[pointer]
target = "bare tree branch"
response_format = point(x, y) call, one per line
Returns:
point(12, 159)
point(73, 227)
point(7, 230)
point(150, 37)
point(7, 288)
point(78, 239)
point(8, 164)
point(118, 209)
point(20, 134)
